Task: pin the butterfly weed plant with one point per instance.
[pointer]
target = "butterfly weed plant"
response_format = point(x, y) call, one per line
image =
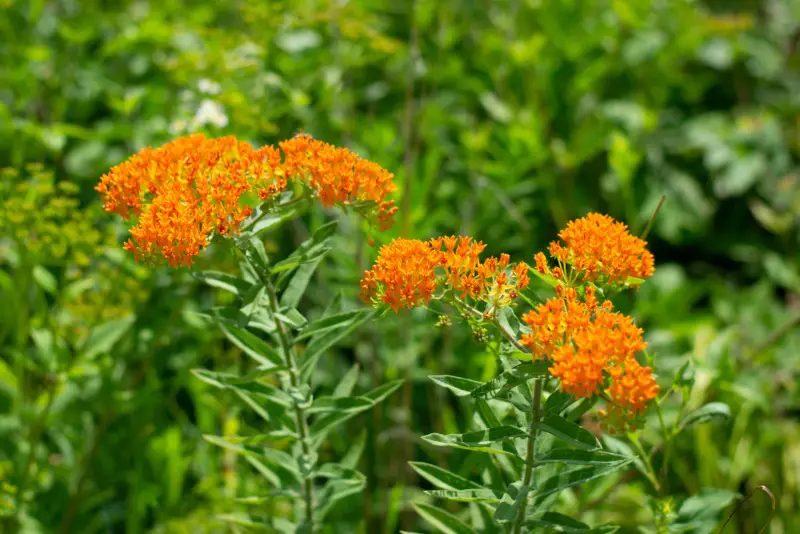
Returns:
point(194, 191)
point(560, 358)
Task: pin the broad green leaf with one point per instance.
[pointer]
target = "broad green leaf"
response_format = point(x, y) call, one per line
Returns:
point(468, 495)
point(711, 412)
point(479, 440)
point(103, 337)
point(568, 431)
point(252, 345)
point(325, 340)
point(510, 379)
point(442, 478)
point(340, 404)
point(227, 282)
point(568, 478)
point(579, 456)
point(701, 512)
point(442, 521)
point(460, 386)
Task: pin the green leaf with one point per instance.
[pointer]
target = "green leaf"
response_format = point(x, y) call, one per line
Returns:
point(256, 256)
point(441, 520)
point(442, 478)
point(266, 392)
point(569, 432)
point(551, 281)
point(340, 404)
point(510, 503)
point(703, 509)
point(330, 322)
point(293, 318)
point(320, 427)
point(558, 402)
point(562, 523)
point(578, 456)
point(281, 463)
point(711, 412)
point(227, 282)
point(45, 279)
point(568, 478)
point(510, 379)
point(325, 340)
point(479, 440)
point(468, 495)
point(103, 337)
point(460, 386)
point(252, 345)
point(345, 386)
point(297, 286)
point(269, 497)
point(230, 379)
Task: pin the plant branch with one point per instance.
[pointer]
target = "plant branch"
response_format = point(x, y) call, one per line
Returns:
point(530, 456)
point(300, 417)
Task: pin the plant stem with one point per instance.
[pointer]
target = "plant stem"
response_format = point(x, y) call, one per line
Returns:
point(299, 413)
point(529, 458)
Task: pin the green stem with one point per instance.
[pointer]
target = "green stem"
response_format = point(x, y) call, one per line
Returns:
point(300, 417)
point(651, 473)
point(536, 414)
point(667, 443)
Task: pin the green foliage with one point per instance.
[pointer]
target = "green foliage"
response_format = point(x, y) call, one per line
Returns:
point(501, 119)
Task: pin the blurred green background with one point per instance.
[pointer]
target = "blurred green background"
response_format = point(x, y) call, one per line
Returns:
point(501, 119)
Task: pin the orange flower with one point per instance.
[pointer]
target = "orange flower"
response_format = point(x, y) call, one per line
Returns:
point(403, 275)
point(586, 343)
point(598, 246)
point(185, 191)
point(340, 176)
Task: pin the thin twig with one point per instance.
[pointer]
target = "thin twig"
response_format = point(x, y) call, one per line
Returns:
point(653, 217)
point(766, 490)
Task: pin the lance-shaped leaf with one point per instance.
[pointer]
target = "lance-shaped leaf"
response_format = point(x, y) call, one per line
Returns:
point(479, 440)
point(460, 386)
point(568, 431)
point(558, 402)
point(708, 413)
point(551, 281)
point(562, 523)
point(309, 250)
point(223, 379)
point(442, 521)
point(275, 495)
point(340, 404)
point(321, 427)
point(252, 345)
point(330, 322)
point(510, 379)
point(338, 488)
point(442, 478)
point(282, 464)
point(347, 383)
point(469, 495)
point(227, 282)
point(510, 503)
point(266, 392)
point(570, 477)
point(325, 340)
point(579, 456)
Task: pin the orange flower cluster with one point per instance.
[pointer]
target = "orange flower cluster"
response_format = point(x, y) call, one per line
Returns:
point(466, 274)
point(403, 275)
point(186, 190)
point(586, 343)
point(340, 176)
point(598, 246)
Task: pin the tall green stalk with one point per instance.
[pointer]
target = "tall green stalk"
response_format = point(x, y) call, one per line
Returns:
point(287, 348)
point(536, 415)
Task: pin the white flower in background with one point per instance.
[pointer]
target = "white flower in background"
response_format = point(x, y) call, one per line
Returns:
point(209, 87)
point(210, 112)
point(177, 127)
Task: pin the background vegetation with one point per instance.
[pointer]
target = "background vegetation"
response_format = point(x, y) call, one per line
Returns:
point(502, 119)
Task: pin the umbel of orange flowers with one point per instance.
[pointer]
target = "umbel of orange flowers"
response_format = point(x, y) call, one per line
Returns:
point(193, 187)
point(591, 348)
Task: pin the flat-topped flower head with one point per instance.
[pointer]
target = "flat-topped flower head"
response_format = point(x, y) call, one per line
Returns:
point(339, 176)
point(187, 190)
point(599, 247)
point(403, 276)
point(590, 346)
